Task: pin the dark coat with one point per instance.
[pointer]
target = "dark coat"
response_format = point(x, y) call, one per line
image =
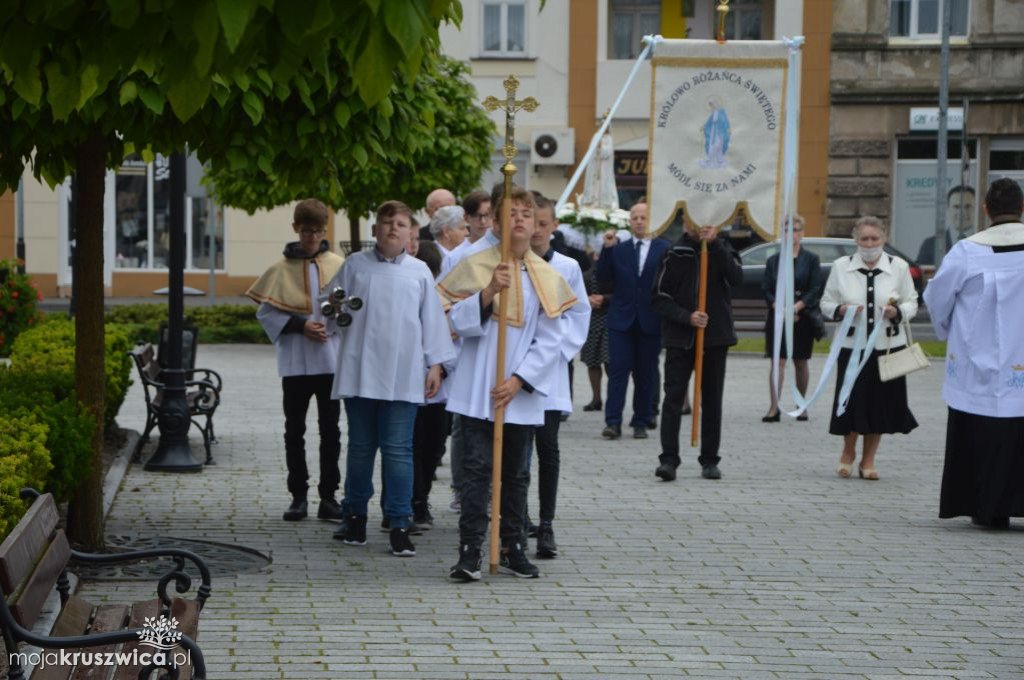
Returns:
point(631, 290)
point(674, 295)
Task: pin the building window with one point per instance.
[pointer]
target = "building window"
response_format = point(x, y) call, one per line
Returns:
point(504, 33)
point(631, 20)
point(744, 20)
point(142, 219)
point(922, 18)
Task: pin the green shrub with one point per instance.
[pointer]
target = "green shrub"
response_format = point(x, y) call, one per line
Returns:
point(69, 426)
point(18, 305)
point(218, 324)
point(23, 462)
point(50, 350)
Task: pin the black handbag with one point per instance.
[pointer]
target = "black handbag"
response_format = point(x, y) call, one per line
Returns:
point(817, 320)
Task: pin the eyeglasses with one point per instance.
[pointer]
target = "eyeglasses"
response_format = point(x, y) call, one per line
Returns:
point(312, 232)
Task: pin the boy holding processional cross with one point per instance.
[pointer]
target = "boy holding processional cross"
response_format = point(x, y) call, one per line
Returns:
point(538, 295)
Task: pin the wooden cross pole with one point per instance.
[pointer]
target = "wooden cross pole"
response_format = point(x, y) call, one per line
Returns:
point(510, 105)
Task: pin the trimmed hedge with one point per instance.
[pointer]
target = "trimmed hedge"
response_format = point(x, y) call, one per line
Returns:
point(50, 350)
point(218, 324)
point(23, 462)
point(69, 426)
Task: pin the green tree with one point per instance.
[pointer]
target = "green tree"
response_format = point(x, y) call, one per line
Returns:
point(82, 84)
point(436, 135)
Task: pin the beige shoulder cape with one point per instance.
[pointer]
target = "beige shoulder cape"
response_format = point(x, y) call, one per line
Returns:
point(285, 285)
point(473, 273)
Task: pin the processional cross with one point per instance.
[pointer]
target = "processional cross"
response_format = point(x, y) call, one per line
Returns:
point(510, 105)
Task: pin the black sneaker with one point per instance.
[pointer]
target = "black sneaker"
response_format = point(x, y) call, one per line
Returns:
point(468, 568)
point(329, 510)
point(400, 543)
point(414, 529)
point(296, 511)
point(546, 548)
point(513, 561)
point(639, 432)
point(339, 533)
point(355, 530)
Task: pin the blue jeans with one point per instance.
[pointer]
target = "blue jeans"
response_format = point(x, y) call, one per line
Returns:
point(387, 425)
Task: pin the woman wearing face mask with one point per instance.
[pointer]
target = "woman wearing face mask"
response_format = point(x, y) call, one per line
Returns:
point(878, 286)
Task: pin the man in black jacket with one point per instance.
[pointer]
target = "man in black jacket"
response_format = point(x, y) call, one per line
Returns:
point(674, 298)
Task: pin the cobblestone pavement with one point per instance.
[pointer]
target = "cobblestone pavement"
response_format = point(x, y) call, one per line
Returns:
point(779, 570)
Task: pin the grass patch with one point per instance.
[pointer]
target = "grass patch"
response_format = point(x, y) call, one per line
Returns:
point(933, 348)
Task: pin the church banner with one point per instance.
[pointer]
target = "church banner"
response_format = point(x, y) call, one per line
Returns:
point(718, 112)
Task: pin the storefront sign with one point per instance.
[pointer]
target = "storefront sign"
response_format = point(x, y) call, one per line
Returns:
point(927, 119)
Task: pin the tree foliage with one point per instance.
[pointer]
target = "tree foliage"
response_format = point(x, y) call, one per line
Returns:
point(155, 74)
point(429, 132)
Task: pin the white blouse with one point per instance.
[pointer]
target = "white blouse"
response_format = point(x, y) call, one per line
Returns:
point(851, 283)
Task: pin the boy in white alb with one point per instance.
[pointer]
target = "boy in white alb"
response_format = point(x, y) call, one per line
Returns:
point(307, 351)
point(399, 335)
point(537, 297)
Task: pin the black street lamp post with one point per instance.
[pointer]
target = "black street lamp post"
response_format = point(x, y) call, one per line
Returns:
point(173, 453)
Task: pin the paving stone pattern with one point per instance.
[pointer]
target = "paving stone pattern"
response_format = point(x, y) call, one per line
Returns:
point(779, 570)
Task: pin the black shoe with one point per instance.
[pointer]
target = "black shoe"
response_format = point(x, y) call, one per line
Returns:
point(652, 424)
point(994, 523)
point(612, 432)
point(355, 530)
point(711, 472)
point(772, 419)
point(299, 509)
point(468, 567)
point(666, 471)
point(422, 517)
point(341, 531)
point(593, 406)
point(513, 561)
point(639, 432)
point(802, 416)
point(329, 510)
point(531, 530)
point(546, 547)
point(400, 543)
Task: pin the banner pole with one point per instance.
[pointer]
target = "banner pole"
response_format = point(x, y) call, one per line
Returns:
point(698, 359)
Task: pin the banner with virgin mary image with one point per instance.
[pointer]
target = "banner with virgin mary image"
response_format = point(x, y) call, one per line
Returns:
point(718, 112)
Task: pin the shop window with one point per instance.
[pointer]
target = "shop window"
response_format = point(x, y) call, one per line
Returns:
point(142, 218)
point(504, 29)
point(914, 192)
point(922, 18)
point(630, 21)
point(1006, 159)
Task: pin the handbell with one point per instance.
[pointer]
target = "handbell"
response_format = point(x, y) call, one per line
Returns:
point(327, 309)
point(338, 294)
point(344, 319)
point(355, 303)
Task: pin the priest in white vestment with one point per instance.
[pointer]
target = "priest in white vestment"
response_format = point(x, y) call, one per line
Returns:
point(975, 302)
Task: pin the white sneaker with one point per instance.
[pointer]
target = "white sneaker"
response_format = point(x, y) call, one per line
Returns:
point(456, 503)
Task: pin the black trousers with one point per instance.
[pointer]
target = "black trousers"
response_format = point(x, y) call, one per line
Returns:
point(298, 390)
point(548, 457)
point(476, 481)
point(429, 435)
point(678, 366)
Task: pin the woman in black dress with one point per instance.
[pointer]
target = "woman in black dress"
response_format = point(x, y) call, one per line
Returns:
point(878, 286)
point(595, 350)
point(808, 284)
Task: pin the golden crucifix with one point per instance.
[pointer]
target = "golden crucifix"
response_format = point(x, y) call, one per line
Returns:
point(510, 105)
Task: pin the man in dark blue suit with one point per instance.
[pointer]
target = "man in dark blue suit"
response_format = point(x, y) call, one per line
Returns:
point(627, 271)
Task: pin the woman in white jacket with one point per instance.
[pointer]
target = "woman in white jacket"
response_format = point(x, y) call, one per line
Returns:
point(879, 286)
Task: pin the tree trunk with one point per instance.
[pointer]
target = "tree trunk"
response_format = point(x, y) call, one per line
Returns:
point(357, 240)
point(85, 514)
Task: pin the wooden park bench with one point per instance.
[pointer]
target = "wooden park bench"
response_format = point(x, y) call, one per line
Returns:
point(107, 641)
point(202, 392)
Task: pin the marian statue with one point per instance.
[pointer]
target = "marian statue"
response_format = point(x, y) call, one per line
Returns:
point(599, 186)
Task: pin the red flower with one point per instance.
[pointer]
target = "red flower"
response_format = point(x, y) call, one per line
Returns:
point(39, 296)
point(15, 295)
